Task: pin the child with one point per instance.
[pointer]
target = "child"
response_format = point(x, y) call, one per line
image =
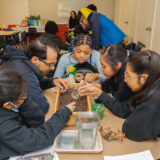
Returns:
point(84, 59)
point(105, 32)
point(113, 63)
point(22, 126)
point(142, 111)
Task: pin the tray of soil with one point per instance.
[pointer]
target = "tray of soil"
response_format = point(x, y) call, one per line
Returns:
point(71, 95)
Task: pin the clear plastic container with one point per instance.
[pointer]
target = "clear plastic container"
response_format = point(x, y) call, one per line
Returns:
point(87, 124)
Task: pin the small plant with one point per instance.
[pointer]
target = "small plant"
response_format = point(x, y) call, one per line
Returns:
point(108, 134)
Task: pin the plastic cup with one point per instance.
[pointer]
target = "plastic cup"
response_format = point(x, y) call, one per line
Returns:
point(99, 108)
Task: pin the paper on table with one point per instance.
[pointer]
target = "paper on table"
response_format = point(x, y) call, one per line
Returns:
point(43, 151)
point(135, 156)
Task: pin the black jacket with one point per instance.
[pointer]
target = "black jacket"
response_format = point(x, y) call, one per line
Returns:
point(73, 23)
point(117, 87)
point(26, 131)
point(18, 60)
point(143, 122)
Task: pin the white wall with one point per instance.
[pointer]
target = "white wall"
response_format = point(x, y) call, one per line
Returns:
point(48, 9)
point(105, 7)
point(13, 11)
point(156, 29)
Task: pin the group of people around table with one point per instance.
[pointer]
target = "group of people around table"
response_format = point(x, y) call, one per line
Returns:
point(127, 83)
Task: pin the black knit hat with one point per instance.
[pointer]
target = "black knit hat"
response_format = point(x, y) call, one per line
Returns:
point(51, 27)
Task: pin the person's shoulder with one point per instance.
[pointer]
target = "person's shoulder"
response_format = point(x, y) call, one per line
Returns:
point(155, 97)
point(65, 58)
point(95, 53)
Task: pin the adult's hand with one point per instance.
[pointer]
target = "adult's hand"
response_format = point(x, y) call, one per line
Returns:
point(89, 90)
point(91, 77)
point(61, 83)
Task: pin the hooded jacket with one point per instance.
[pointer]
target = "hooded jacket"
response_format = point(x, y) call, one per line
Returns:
point(105, 32)
point(16, 59)
point(25, 131)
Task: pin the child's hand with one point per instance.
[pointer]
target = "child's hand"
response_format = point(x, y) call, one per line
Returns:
point(79, 77)
point(96, 84)
point(71, 106)
point(61, 83)
point(90, 77)
point(89, 90)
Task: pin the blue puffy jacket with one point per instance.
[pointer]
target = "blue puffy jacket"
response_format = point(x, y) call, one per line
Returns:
point(104, 30)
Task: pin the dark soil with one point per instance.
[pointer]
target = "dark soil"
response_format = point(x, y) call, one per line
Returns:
point(66, 98)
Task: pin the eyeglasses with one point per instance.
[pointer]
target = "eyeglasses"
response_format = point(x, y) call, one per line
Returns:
point(48, 64)
point(129, 76)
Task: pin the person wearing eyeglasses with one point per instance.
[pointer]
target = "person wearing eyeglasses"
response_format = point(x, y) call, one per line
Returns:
point(142, 110)
point(22, 125)
point(33, 65)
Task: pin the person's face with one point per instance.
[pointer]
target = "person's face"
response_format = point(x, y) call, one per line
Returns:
point(17, 103)
point(47, 64)
point(106, 68)
point(84, 21)
point(133, 80)
point(82, 53)
point(73, 15)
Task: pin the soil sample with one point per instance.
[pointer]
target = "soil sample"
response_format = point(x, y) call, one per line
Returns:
point(71, 95)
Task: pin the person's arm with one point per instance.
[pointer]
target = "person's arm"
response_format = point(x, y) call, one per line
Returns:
point(22, 139)
point(61, 67)
point(120, 109)
point(143, 123)
point(46, 83)
point(31, 114)
point(35, 92)
point(95, 27)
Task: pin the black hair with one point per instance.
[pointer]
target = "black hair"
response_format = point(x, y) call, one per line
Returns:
point(38, 47)
point(92, 7)
point(79, 15)
point(51, 27)
point(75, 15)
point(116, 53)
point(146, 62)
point(12, 86)
point(83, 40)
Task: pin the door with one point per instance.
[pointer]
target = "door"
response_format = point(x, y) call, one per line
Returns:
point(124, 16)
point(145, 14)
point(155, 40)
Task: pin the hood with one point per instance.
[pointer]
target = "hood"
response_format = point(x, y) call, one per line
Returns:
point(7, 114)
point(13, 53)
point(86, 12)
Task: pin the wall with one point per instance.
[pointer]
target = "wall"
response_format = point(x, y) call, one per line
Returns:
point(48, 9)
point(105, 7)
point(156, 29)
point(13, 11)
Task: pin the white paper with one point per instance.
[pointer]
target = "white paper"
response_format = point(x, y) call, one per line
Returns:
point(43, 151)
point(146, 155)
point(64, 8)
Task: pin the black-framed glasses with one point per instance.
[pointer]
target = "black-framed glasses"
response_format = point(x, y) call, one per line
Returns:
point(48, 64)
